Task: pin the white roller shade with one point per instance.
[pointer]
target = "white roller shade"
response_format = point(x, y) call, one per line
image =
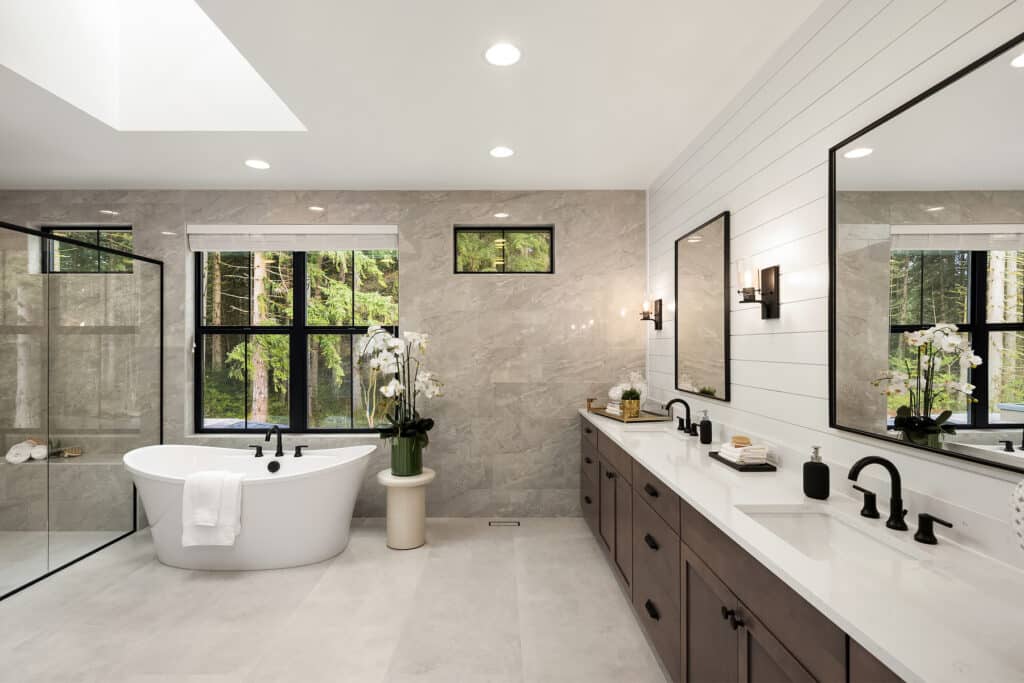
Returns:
point(291, 237)
point(997, 237)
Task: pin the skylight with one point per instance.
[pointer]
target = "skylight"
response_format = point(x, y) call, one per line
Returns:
point(140, 66)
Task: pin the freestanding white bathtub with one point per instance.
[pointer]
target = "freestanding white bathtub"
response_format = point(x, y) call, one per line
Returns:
point(298, 515)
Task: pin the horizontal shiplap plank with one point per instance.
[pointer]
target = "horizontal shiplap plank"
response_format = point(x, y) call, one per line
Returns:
point(793, 378)
point(800, 347)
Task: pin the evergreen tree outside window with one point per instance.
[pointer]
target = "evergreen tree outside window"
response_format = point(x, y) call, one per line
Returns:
point(278, 337)
point(66, 257)
point(510, 250)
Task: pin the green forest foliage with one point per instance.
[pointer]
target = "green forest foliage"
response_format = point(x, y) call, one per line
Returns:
point(929, 287)
point(342, 289)
point(508, 251)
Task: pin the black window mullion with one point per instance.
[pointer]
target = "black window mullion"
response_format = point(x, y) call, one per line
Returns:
point(977, 313)
point(299, 346)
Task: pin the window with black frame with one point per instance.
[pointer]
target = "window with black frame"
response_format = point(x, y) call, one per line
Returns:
point(279, 334)
point(67, 257)
point(982, 293)
point(509, 250)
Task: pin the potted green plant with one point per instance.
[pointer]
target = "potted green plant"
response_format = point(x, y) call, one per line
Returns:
point(928, 381)
point(395, 381)
point(630, 403)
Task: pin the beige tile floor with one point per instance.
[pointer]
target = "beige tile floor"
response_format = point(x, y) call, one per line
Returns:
point(479, 603)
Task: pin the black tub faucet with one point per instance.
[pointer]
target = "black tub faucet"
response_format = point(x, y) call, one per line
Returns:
point(896, 511)
point(275, 430)
point(683, 426)
point(1007, 446)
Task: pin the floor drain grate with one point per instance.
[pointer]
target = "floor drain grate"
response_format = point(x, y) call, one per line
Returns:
point(503, 522)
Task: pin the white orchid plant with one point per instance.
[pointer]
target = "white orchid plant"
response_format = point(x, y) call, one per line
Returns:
point(395, 380)
point(635, 384)
point(936, 347)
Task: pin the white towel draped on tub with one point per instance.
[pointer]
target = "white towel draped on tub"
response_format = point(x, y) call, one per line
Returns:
point(211, 508)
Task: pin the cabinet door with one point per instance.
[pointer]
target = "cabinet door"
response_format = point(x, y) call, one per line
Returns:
point(763, 659)
point(624, 529)
point(710, 643)
point(606, 502)
point(589, 501)
point(864, 668)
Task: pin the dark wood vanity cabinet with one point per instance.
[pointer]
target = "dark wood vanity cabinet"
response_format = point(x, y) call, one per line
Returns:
point(712, 613)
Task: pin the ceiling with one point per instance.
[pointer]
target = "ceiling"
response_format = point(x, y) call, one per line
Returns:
point(967, 136)
point(395, 94)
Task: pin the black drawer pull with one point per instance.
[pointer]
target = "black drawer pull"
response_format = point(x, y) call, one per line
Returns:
point(610, 475)
point(652, 611)
point(588, 430)
point(650, 491)
point(734, 621)
point(588, 460)
point(651, 543)
point(586, 499)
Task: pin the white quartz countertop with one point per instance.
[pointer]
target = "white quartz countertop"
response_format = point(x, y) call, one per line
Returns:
point(930, 613)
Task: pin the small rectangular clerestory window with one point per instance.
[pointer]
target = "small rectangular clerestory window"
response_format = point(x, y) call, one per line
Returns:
point(508, 250)
point(65, 256)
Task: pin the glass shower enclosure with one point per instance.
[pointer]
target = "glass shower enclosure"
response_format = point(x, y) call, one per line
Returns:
point(81, 383)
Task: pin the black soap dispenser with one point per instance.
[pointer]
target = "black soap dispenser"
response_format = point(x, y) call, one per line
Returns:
point(816, 476)
point(705, 428)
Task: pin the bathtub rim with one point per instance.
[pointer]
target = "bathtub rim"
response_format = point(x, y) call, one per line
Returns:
point(263, 477)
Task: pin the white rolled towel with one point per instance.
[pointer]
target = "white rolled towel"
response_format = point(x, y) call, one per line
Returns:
point(19, 453)
point(40, 452)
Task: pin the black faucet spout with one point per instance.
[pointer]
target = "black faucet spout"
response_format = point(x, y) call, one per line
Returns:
point(684, 425)
point(270, 432)
point(896, 511)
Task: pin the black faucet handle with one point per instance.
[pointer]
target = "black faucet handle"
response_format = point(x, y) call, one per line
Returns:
point(870, 508)
point(298, 450)
point(1007, 445)
point(259, 449)
point(925, 531)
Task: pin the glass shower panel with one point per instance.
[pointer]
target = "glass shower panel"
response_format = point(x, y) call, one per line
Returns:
point(104, 399)
point(23, 411)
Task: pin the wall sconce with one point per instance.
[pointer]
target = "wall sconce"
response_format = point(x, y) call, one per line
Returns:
point(655, 315)
point(767, 286)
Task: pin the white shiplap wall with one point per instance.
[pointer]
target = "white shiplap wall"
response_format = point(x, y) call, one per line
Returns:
point(765, 159)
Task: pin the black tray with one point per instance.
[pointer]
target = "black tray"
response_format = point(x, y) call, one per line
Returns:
point(766, 467)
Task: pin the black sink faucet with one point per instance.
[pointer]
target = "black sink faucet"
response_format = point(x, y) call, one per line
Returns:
point(682, 425)
point(896, 511)
point(275, 430)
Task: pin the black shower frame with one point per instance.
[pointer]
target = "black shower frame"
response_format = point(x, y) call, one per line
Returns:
point(135, 498)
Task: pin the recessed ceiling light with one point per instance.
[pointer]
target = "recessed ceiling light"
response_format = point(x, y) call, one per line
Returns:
point(502, 152)
point(501, 214)
point(1018, 61)
point(318, 209)
point(858, 152)
point(258, 164)
point(503, 54)
point(169, 233)
point(935, 208)
point(108, 212)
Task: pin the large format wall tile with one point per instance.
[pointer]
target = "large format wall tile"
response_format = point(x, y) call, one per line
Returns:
point(518, 353)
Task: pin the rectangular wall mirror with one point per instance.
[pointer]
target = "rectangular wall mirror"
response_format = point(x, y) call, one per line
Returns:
point(702, 309)
point(927, 249)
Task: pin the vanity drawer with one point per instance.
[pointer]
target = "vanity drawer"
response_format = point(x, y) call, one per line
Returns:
point(616, 457)
point(588, 460)
point(817, 643)
point(588, 432)
point(589, 501)
point(660, 497)
point(656, 584)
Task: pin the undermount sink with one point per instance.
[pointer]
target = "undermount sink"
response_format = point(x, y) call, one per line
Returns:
point(821, 534)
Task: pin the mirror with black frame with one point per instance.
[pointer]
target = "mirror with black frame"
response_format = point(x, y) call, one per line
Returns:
point(927, 258)
point(702, 309)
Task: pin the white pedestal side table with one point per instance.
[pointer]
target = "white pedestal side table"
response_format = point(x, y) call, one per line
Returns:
point(407, 508)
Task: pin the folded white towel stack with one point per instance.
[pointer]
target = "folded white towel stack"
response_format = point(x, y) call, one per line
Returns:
point(211, 508)
point(746, 455)
point(40, 452)
point(19, 452)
